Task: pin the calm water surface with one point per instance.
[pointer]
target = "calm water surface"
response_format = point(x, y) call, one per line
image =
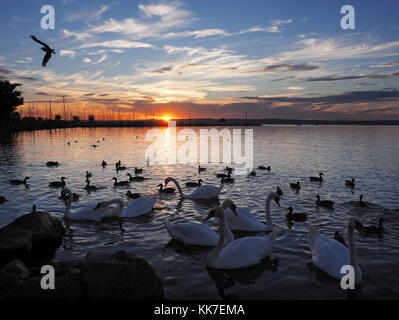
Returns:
point(368, 153)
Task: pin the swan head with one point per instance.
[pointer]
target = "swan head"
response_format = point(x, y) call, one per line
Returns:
point(167, 180)
point(215, 213)
point(229, 204)
point(114, 179)
point(275, 197)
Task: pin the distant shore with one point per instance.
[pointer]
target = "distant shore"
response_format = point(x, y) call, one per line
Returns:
point(40, 124)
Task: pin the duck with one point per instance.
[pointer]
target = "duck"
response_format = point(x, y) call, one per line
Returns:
point(94, 212)
point(52, 163)
point(350, 183)
point(119, 166)
point(228, 179)
point(264, 168)
point(244, 220)
point(252, 173)
point(89, 187)
point(120, 183)
point(165, 190)
point(324, 203)
point(88, 175)
point(370, 230)
point(94, 145)
point(194, 184)
point(131, 195)
point(319, 178)
point(297, 217)
point(2, 200)
point(361, 203)
point(136, 178)
point(58, 184)
point(240, 253)
point(15, 182)
point(296, 185)
point(279, 192)
point(139, 206)
point(203, 192)
point(197, 234)
point(330, 256)
point(104, 164)
point(137, 170)
point(339, 237)
point(200, 169)
point(75, 197)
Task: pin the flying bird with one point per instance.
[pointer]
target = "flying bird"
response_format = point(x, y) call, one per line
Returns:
point(46, 49)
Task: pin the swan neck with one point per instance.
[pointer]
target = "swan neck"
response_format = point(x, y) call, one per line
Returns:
point(268, 215)
point(178, 187)
point(352, 249)
point(222, 236)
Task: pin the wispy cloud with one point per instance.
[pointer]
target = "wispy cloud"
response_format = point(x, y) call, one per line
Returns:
point(88, 15)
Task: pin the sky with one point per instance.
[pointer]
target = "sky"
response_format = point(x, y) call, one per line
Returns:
point(131, 59)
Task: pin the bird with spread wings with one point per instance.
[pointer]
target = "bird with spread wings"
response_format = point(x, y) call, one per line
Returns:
point(46, 49)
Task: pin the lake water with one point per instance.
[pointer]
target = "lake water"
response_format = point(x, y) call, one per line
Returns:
point(368, 153)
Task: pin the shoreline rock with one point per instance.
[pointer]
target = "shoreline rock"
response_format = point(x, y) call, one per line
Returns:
point(29, 237)
point(99, 276)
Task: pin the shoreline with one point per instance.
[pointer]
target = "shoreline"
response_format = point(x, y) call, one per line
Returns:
point(32, 125)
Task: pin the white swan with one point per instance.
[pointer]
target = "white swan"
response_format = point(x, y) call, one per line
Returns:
point(93, 212)
point(197, 234)
point(139, 207)
point(240, 253)
point(244, 220)
point(203, 192)
point(330, 255)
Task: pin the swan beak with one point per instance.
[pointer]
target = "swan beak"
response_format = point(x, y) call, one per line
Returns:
point(211, 214)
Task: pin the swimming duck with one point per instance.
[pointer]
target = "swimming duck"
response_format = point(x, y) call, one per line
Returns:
point(104, 164)
point(350, 183)
point(58, 184)
point(370, 230)
point(324, 203)
point(200, 168)
point(89, 187)
point(2, 200)
point(264, 168)
point(120, 183)
point(137, 171)
point(52, 163)
point(279, 192)
point(319, 178)
point(136, 178)
point(194, 184)
point(296, 185)
point(131, 195)
point(298, 217)
point(20, 181)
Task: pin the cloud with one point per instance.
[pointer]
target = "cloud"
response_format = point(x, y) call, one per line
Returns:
point(346, 97)
point(70, 53)
point(90, 15)
point(162, 70)
point(278, 68)
point(354, 77)
point(123, 44)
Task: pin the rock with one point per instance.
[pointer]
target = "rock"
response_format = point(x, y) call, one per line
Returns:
point(7, 282)
point(32, 235)
point(17, 268)
point(66, 288)
point(121, 275)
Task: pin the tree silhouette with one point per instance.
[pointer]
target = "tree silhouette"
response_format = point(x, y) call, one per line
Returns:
point(10, 99)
